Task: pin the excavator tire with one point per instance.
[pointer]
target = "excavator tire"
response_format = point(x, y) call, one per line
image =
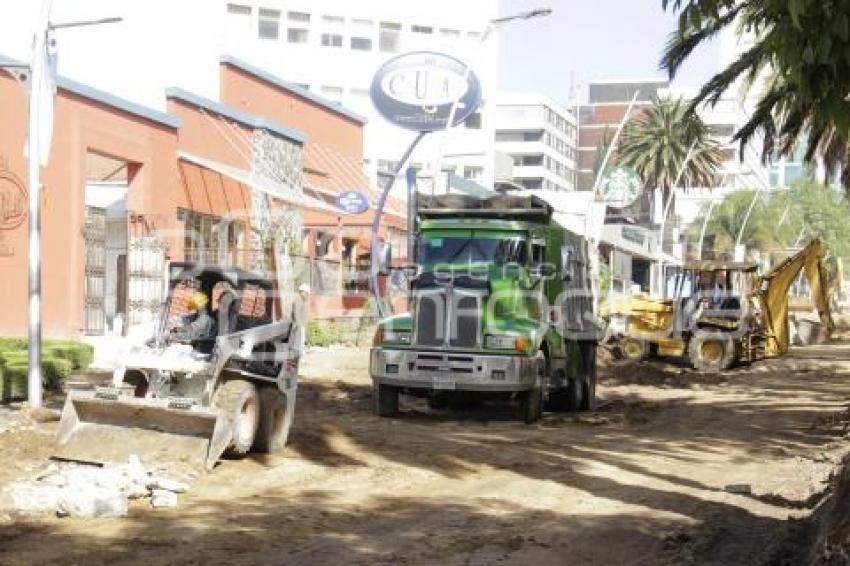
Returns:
point(711, 351)
point(241, 403)
point(271, 431)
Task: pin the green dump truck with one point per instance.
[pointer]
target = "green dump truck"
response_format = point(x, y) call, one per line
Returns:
point(500, 307)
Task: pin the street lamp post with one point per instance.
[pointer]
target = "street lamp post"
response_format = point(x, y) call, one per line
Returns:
point(42, 79)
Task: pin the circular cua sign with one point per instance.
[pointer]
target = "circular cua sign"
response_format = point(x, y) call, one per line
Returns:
point(619, 187)
point(13, 201)
point(352, 202)
point(416, 91)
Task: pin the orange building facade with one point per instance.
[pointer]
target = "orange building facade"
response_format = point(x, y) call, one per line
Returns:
point(128, 189)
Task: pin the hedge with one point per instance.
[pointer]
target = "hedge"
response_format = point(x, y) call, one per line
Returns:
point(59, 359)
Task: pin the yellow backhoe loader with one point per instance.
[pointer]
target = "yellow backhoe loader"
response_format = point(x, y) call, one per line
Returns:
point(721, 313)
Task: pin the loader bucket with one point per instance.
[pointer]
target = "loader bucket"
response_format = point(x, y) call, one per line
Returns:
point(109, 430)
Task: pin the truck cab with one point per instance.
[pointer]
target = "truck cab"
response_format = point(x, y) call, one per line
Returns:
point(499, 306)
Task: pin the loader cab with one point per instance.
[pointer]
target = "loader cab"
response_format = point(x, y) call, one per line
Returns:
point(712, 290)
point(237, 300)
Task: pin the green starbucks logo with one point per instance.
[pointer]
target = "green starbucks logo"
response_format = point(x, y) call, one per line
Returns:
point(620, 187)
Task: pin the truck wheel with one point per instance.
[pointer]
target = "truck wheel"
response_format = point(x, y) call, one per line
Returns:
point(711, 351)
point(386, 400)
point(273, 429)
point(588, 358)
point(531, 402)
point(574, 395)
point(241, 403)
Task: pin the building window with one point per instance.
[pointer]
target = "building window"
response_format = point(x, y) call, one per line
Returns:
point(297, 35)
point(389, 37)
point(473, 122)
point(238, 10)
point(421, 29)
point(361, 43)
point(333, 20)
point(305, 86)
point(473, 35)
point(445, 32)
point(301, 17)
point(473, 173)
point(269, 24)
point(331, 40)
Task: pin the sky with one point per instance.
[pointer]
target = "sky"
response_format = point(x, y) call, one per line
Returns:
point(590, 40)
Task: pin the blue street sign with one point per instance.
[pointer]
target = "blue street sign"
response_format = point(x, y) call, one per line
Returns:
point(352, 202)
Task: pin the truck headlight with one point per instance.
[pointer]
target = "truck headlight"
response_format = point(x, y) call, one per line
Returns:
point(400, 336)
point(501, 342)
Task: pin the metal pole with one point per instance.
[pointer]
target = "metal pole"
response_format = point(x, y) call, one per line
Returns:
point(666, 210)
point(704, 226)
point(376, 224)
point(747, 217)
point(34, 377)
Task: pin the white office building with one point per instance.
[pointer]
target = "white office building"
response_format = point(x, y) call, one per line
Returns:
point(331, 47)
point(540, 137)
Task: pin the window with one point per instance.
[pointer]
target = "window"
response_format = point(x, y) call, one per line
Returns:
point(473, 35)
point(296, 35)
point(361, 43)
point(331, 40)
point(421, 29)
point(298, 17)
point(389, 37)
point(473, 172)
point(238, 10)
point(449, 32)
point(473, 122)
point(305, 86)
point(333, 20)
point(269, 24)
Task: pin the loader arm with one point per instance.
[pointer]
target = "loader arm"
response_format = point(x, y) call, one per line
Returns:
point(772, 292)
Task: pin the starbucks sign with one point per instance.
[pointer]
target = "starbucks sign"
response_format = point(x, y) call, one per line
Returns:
point(619, 187)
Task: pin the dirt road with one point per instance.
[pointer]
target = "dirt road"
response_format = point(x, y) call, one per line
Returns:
point(640, 481)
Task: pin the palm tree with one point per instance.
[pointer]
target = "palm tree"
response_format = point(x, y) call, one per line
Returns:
point(656, 144)
point(800, 47)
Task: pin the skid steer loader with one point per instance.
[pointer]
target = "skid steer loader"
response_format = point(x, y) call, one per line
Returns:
point(190, 399)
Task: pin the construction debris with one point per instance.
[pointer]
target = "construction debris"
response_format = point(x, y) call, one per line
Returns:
point(74, 490)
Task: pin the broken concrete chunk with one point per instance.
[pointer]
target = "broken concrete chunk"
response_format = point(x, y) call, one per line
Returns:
point(163, 498)
point(31, 498)
point(739, 488)
point(91, 502)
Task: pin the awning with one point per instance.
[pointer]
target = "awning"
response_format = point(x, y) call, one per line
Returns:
point(263, 184)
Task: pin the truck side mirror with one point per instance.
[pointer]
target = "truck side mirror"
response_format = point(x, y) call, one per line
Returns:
point(384, 258)
point(567, 261)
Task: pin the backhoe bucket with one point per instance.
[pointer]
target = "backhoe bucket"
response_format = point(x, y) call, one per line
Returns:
point(108, 429)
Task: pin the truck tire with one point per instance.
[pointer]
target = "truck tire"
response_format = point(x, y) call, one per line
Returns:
point(531, 401)
point(588, 358)
point(711, 351)
point(386, 400)
point(272, 430)
point(241, 403)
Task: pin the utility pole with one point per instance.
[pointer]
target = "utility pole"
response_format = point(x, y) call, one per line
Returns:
point(42, 90)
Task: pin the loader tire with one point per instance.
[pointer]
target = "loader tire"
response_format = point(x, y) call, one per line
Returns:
point(272, 430)
point(241, 403)
point(711, 351)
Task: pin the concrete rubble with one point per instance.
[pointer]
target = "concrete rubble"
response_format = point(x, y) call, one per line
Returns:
point(75, 490)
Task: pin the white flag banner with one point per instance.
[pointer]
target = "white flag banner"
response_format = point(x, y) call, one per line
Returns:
point(43, 68)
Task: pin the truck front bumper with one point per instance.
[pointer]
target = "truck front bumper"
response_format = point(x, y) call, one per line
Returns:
point(417, 369)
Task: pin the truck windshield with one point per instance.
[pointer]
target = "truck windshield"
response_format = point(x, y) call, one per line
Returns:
point(475, 249)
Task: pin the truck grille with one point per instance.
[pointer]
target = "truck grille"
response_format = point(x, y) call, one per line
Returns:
point(456, 324)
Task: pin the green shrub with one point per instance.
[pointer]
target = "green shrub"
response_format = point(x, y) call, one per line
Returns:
point(322, 333)
point(13, 385)
point(54, 370)
point(10, 344)
point(80, 355)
